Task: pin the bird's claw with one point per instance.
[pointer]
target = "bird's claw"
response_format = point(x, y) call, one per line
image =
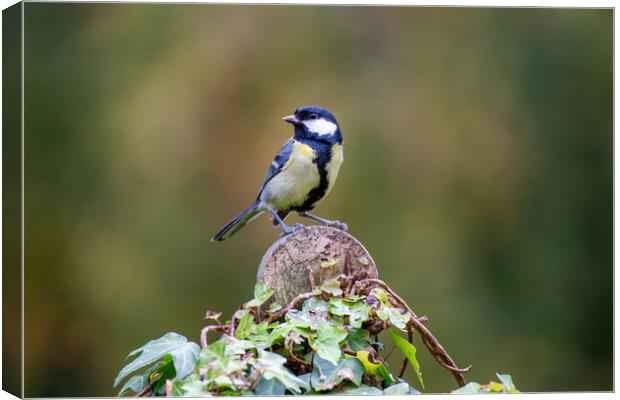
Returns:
point(290, 229)
point(339, 225)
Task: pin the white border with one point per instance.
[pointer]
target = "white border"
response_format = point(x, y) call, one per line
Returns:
point(449, 3)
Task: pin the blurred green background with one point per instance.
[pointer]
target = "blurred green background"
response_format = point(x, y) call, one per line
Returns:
point(478, 173)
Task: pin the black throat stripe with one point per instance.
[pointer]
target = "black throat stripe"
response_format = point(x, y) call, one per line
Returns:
point(323, 157)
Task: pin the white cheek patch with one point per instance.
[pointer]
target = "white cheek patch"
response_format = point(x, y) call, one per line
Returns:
point(321, 126)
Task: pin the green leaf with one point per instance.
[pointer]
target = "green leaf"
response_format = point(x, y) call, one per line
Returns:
point(357, 339)
point(212, 351)
point(261, 294)
point(184, 358)
point(151, 352)
point(244, 326)
point(356, 310)
point(330, 263)
point(136, 383)
point(312, 315)
point(273, 307)
point(362, 390)
point(398, 319)
point(387, 312)
point(269, 387)
point(409, 351)
point(507, 381)
point(261, 337)
point(470, 388)
point(385, 374)
point(307, 377)
point(315, 305)
point(271, 365)
point(399, 388)
point(194, 389)
point(160, 373)
point(176, 389)
point(332, 287)
point(494, 387)
point(373, 368)
point(327, 342)
point(326, 375)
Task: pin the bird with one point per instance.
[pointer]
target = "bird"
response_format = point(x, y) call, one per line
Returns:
point(302, 173)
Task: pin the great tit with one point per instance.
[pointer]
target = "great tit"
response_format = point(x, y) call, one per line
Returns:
point(301, 174)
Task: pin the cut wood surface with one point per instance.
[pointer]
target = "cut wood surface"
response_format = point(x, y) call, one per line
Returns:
point(300, 262)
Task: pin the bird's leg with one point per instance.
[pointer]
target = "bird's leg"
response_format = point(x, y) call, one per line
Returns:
point(286, 229)
point(335, 224)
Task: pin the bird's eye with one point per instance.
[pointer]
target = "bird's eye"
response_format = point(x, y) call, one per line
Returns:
point(313, 116)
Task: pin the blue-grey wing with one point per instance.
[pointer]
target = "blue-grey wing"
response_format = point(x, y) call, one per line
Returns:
point(278, 163)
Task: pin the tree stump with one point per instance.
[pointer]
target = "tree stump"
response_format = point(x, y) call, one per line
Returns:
point(302, 261)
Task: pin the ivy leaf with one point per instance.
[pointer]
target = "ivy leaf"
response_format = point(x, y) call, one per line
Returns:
point(261, 337)
point(315, 305)
point(212, 315)
point(174, 389)
point(327, 342)
point(244, 326)
point(357, 339)
point(307, 378)
point(261, 294)
point(273, 307)
point(212, 351)
point(409, 351)
point(494, 387)
point(399, 319)
point(269, 387)
point(470, 388)
point(312, 315)
point(184, 358)
point(399, 388)
point(362, 390)
point(332, 287)
point(357, 311)
point(136, 383)
point(373, 368)
point(194, 389)
point(379, 300)
point(271, 365)
point(151, 352)
point(507, 381)
point(330, 263)
point(326, 375)
point(159, 373)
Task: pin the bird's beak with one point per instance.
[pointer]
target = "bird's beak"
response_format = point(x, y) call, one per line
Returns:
point(291, 119)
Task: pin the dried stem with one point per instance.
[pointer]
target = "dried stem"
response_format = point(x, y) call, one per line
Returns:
point(145, 392)
point(293, 304)
point(211, 328)
point(428, 339)
point(354, 285)
point(406, 360)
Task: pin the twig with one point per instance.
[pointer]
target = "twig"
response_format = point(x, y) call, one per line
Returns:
point(211, 328)
point(389, 353)
point(145, 392)
point(406, 360)
point(231, 331)
point(365, 286)
point(293, 304)
point(428, 339)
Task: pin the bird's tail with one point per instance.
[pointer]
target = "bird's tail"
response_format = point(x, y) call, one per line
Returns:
point(238, 222)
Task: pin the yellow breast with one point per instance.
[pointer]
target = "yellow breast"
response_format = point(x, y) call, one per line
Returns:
point(333, 167)
point(298, 177)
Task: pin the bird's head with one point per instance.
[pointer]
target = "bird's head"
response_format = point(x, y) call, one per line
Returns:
point(314, 122)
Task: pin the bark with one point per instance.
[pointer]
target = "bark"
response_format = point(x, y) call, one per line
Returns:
point(300, 262)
